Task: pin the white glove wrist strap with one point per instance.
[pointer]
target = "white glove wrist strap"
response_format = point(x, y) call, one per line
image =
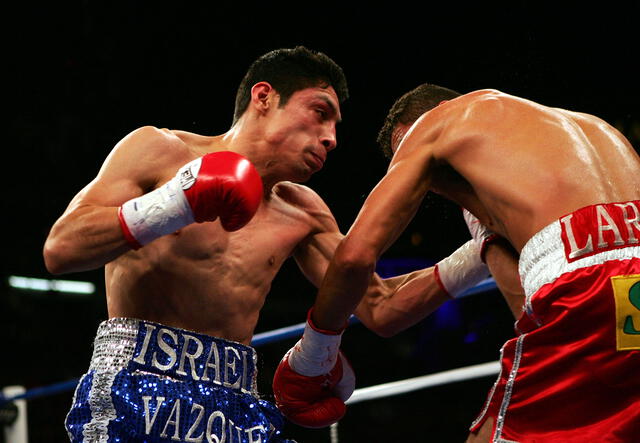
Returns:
point(463, 269)
point(159, 212)
point(315, 353)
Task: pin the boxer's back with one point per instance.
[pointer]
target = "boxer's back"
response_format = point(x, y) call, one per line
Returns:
point(529, 164)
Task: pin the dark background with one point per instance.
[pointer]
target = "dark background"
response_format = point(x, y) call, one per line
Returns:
point(78, 77)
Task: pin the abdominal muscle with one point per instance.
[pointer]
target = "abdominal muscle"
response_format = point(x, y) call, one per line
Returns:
point(178, 280)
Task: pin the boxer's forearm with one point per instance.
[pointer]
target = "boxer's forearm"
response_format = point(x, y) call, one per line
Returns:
point(404, 301)
point(84, 238)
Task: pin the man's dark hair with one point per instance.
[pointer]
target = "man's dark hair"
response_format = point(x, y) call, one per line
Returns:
point(288, 71)
point(408, 108)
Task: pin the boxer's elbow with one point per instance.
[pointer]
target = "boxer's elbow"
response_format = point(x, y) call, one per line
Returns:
point(55, 257)
point(355, 257)
point(61, 257)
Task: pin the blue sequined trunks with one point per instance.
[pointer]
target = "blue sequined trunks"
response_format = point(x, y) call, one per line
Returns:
point(152, 383)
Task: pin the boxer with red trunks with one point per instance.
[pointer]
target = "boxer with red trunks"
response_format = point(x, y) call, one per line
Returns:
point(561, 191)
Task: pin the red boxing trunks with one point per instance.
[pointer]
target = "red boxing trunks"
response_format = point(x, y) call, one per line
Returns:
point(572, 373)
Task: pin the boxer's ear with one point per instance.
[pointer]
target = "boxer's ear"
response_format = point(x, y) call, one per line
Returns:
point(262, 93)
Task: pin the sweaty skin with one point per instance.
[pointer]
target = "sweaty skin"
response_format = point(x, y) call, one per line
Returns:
point(543, 162)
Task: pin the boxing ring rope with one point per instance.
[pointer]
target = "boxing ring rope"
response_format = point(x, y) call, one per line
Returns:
point(16, 425)
point(425, 381)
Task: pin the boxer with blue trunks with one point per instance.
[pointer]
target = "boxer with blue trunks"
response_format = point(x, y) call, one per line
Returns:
point(191, 231)
point(149, 382)
point(570, 374)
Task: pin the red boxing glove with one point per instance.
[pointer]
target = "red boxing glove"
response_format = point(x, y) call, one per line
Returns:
point(220, 184)
point(314, 379)
point(313, 402)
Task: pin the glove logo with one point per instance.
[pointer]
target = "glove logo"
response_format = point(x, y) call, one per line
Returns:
point(188, 174)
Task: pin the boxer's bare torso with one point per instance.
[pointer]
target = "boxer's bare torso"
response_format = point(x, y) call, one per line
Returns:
point(202, 277)
point(205, 278)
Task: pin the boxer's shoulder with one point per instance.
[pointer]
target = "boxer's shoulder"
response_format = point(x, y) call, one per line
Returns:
point(299, 196)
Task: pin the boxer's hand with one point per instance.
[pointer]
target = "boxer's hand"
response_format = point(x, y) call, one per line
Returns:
point(462, 270)
point(479, 232)
point(313, 380)
point(220, 184)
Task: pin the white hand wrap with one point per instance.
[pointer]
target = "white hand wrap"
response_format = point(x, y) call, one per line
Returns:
point(462, 270)
point(479, 232)
point(160, 212)
point(315, 353)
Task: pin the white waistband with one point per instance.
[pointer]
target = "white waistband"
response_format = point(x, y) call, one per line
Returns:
point(542, 260)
